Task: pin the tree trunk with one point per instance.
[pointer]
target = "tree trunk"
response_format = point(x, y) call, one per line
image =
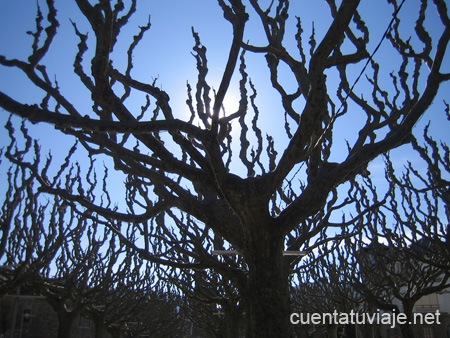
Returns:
point(233, 322)
point(117, 332)
point(100, 327)
point(65, 324)
point(268, 287)
point(407, 329)
point(332, 331)
point(319, 332)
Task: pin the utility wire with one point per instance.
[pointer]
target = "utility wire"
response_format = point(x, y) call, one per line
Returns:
point(388, 29)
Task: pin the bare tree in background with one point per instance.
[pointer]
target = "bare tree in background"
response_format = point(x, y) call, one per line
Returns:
point(389, 278)
point(181, 178)
point(424, 198)
point(75, 263)
point(322, 288)
point(211, 301)
point(32, 231)
point(401, 252)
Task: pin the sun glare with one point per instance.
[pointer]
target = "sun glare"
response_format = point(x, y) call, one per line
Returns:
point(230, 104)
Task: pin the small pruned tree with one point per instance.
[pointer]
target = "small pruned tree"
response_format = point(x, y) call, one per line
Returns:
point(211, 301)
point(261, 179)
point(400, 255)
point(322, 287)
point(32, 229)
point(420, 202)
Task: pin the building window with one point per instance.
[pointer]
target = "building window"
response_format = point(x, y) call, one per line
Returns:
point(428, 332)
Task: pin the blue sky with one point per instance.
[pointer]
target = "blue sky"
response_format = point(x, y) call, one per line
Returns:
point(165, 54)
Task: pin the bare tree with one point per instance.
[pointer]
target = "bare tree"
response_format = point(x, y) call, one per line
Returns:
point(182, 180)
point(212, 302)
point(82, 271)
point(54, 251)
point(391, 280)
point(322, 288)
point(32, 228)
point(400, 254)
point(420, 202)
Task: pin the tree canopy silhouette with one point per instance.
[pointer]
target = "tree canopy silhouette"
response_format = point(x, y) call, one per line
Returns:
point(255, 180)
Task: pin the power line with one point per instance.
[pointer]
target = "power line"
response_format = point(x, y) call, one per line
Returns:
point(388, 29)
